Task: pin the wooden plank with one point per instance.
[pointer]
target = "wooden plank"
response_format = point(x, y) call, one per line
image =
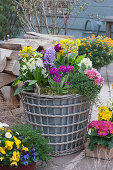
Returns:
point(6, 79)
point(8, 94)
point(12, 67)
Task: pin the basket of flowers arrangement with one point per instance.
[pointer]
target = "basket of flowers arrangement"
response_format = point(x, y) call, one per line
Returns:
point(21, 147)
point(100, 138)
point(58, 88)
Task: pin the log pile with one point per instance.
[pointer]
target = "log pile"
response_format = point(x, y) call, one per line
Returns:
point(9, 64)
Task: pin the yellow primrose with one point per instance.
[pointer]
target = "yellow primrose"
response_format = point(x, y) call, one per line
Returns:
point(9, 145)
point(2, 150)
point(24, 49)
point(14, 163)
point(1, 158)
point(24, 148)
point(2, 128)
point(17, 142)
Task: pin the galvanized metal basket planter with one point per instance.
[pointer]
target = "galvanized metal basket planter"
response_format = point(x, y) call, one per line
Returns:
point(63, 119)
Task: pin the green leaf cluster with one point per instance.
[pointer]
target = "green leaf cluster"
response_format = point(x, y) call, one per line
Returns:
point(31, 137)
point(96, 139)
point(81, 83)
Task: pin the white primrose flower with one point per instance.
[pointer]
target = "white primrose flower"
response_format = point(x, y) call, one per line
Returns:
point(3, 125)
point(86, 61)
point(8, 135)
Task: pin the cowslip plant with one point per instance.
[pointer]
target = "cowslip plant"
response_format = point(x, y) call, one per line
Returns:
point(101, 134)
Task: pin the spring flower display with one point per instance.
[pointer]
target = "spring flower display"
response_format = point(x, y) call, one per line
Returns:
point(58, 70)
point(98, 49)
point(12, 150)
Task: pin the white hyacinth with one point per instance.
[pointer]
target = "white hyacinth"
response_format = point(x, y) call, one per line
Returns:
point(87, 62)
point(8, 135)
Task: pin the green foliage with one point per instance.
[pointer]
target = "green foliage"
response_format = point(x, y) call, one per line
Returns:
point(98, 49)
point(59, 88)
point(96, 139)
point(9, 23)
point(31, 137)
point(84, 85)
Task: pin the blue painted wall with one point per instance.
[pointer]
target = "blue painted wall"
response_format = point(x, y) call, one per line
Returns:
point(76, 25)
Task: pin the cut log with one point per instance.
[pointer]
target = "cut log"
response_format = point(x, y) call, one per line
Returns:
point(10, 46)
point(8, 95)
point(10, 54)
point(35, 35)
point(6, 79)
point(2, 61)
point(12, 67)
point(41, 36)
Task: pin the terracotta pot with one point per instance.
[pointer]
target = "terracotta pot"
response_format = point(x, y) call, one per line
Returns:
point(21, 167)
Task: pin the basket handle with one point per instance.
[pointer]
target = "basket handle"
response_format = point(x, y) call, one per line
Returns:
point(36, 85)
point(38, 88)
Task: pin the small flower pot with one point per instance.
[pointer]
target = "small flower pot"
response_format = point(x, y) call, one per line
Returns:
point(99, 152)
point(20, 167)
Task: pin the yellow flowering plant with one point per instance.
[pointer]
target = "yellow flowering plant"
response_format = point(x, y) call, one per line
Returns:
point(12, 150)
point(98, 49)
point(104, 114)
point(67, 52)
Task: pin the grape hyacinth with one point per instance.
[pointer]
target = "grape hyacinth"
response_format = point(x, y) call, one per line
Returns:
point(49, 57)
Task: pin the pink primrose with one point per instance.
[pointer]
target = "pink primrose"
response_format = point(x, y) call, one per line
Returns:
point(97, 82)
point(103, 132)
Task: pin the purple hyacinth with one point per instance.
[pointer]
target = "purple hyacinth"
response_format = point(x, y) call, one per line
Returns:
point(53, 71)
point(68, 83)
point(49, 56)
point(57, 47)
point(62, 69)
point(70, 69)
